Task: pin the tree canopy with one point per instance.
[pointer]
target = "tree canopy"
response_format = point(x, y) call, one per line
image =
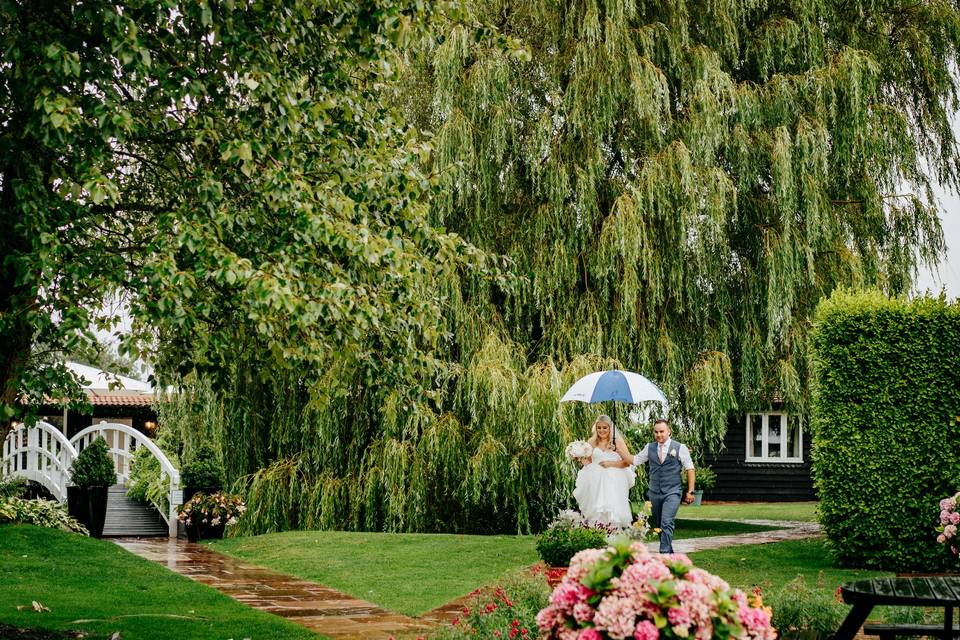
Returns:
point(227, 169)
point(681, 182)
point(392, 254)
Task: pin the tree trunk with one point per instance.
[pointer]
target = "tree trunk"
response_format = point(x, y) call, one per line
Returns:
point(16, 303)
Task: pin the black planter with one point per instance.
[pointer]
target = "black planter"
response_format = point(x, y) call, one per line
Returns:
point(197, 532)
point(76, 505)
point(89, 506)
point(97, 501)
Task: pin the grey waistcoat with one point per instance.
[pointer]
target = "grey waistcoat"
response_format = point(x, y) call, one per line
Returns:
point(664, 478)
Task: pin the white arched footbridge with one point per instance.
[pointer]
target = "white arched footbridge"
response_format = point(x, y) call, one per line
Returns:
point(42, 454)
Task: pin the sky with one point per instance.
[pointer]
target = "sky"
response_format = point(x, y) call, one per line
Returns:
point(947, 276)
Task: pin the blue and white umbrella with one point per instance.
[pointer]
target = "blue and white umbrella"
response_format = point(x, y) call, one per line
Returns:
point(622, 386)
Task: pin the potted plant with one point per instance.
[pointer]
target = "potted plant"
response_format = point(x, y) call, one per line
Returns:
point(201, 473)
point(208, 515)
point(568, 534)
point(706, 480)
point(92, 473)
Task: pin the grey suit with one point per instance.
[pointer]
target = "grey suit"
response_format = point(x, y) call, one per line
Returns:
point(665, 491)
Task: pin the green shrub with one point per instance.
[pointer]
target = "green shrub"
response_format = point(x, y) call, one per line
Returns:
point(93, 466)
point(12, 487)
point(886, 397)
point(497, 611)
point(203, 469)
point(706, 478)
point(797, 607)
point(557, 545)
point(42, 513)
point(146, 482)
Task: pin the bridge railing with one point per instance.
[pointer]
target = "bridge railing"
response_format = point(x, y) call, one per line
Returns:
point(43, 454)
point(123, 441)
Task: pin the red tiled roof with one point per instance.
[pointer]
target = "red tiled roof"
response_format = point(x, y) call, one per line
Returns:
point(118, 398)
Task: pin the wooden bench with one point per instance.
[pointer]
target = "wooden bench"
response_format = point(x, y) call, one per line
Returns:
point(935, 591)
point(891, 631)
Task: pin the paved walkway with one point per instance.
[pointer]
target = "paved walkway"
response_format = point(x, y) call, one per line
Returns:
point(324, 610)
point(343, 617)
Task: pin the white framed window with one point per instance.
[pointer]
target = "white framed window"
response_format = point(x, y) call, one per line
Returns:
point(773, 437)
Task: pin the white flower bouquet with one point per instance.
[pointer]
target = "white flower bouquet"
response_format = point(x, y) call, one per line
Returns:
point(578, 449)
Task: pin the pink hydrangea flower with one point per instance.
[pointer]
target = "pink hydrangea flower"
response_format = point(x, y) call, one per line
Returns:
point(646, 630)
point(589, 634)
point(616, 616)
point(582, 612)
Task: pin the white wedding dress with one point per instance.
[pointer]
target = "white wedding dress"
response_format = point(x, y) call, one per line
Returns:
point(603, 493)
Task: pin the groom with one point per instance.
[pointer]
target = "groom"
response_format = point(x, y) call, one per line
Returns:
point(665, 458)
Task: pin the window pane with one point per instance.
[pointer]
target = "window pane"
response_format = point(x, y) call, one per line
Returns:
point(755, 438)
point(774, 430)
point(793, 438)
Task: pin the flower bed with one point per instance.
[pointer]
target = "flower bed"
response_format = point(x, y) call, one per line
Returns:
point(949, 521)
point(207, 516)
point(626, 592)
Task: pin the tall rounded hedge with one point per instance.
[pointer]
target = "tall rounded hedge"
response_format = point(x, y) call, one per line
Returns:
point(886, 431)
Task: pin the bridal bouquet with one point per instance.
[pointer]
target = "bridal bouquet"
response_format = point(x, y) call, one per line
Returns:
point(578, 449)
point(626, 592)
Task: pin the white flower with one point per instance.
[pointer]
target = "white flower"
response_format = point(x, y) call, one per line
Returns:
point(578, 449)
point(673, 453)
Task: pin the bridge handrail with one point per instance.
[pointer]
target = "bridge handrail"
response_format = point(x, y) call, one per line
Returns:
point(166, 467)
point(167, 470)
point(57, 466)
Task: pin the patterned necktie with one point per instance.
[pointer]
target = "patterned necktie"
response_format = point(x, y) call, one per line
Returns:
point(660, 452)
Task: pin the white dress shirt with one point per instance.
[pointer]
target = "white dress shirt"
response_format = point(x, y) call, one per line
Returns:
point(685, 460)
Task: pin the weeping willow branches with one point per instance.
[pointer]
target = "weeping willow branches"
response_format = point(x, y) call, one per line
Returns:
point(669, 187)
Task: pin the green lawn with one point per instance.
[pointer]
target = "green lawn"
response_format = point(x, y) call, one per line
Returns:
point(772, 565)
point(804, 511)
point(808, 602)
point(411, 573)
point(96, 587)
point(702, 528)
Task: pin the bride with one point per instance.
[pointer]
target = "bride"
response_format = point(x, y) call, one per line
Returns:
point(603, 484)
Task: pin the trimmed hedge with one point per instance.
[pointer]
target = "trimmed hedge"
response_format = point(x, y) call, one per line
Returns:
point(886, 431)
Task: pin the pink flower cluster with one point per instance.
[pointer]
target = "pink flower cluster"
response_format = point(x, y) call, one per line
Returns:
point(949, 521)
point(648, 597)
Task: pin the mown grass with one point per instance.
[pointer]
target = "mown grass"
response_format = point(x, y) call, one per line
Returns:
point(411, 573)
point(96, 587)
point(799, 511)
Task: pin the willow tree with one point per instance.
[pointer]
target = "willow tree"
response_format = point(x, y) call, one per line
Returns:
point(673, 187)
point(678, 183)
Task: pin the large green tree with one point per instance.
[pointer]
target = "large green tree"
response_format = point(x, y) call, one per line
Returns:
point(674, 185)
point(227, 169)
point(681, 182)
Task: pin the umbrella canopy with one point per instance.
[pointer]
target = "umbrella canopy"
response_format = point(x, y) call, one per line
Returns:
point(622, 386)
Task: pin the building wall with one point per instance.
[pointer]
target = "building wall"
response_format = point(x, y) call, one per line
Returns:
point(136, 417)
point(758, 481)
